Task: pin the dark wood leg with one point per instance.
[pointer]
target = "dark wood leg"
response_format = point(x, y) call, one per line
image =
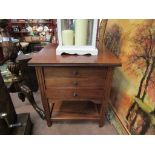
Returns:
point(10, 122)
point(49, 123)
point(101, 123)
point(29, 95)
point(18, 85)
point(25, 92)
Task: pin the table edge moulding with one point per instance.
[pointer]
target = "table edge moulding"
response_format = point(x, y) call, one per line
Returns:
point(74, 78)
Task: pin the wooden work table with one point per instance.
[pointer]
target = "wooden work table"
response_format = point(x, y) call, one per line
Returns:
point(84, 81)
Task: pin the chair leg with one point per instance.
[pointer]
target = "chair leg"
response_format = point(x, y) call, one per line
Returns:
point(29, 95)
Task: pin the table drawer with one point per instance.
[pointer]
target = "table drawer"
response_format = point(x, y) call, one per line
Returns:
point(73, 94)
point(74, 82)
point(84, 72)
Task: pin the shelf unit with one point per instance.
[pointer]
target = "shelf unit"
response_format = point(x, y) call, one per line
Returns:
point(34, 40)
point(27, 22)
point(51, 23)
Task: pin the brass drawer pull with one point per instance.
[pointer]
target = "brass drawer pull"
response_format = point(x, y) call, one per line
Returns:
point(75, 83)
point(75, 94)
point(75, 72)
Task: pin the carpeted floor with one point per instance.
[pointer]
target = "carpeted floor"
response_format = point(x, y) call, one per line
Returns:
point(60, 128)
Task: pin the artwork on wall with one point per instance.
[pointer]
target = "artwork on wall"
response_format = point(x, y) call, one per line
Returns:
point(133, 92)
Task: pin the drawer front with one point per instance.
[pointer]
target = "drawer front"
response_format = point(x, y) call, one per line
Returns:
point(74, 94)
point(68, 72)
point(96, 83)
point(74, 76)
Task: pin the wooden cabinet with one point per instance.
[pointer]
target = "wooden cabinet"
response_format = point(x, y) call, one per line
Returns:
point(10, 122)
point(6, 106)
point(82, 81)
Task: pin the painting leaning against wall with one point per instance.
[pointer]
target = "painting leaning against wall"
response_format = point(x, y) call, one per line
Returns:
point(133, 92)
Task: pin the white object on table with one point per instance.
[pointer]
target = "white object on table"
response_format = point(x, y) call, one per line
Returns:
point(89, 48)
point(67, 37)
point(81, 32)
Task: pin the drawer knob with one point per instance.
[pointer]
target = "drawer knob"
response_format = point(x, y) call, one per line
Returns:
point(75, 94)
point(75, 73)
point(75, 83)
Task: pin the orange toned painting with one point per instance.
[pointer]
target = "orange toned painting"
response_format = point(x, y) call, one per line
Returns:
point(133, 92)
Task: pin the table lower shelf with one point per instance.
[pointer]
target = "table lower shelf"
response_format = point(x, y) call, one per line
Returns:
point(74, 110)
point(74, 118)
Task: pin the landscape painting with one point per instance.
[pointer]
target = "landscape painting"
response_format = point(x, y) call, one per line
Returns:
point(133, 92)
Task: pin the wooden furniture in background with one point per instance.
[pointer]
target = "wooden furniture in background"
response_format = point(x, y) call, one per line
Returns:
point(10, 122)
point(82, 79)
point(1, 54)
point(24, 80)
point(21, 25)
point(25, 83)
